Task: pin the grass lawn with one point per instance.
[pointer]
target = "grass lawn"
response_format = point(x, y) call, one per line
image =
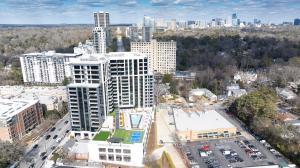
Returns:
point(112, 114)
point(126, 135)
point(101, 136)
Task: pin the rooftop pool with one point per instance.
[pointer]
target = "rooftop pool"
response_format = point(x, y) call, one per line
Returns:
point(135, 120)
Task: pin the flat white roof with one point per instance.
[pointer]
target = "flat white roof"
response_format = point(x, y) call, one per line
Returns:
point(199, 120)
point(51, 54)
point(92, 59)
point(9, 108)
point(46, 95)
point(125, 55)
point(83, 85)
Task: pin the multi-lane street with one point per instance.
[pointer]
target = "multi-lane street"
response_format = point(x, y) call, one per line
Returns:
point(44, 146)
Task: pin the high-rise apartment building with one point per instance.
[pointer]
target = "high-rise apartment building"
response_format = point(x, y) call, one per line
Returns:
point(146, 34)
point(104, 82)
point(148, 28)
point(161, 55)
point(89, 100)
point(132, 80)
point(234, 20)
point(101, 19)
point(297, 22)
point(18, 117)
point(46, 67)
point(99, 37)
point(172, 25)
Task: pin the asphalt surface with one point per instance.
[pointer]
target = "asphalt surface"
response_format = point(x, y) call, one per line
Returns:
point(229, 144)
point(120, 44)
point(33, 157)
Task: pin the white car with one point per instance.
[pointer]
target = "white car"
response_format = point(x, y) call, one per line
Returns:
point(58, 140)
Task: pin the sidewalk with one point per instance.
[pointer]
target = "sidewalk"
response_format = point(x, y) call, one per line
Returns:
point(165, 132)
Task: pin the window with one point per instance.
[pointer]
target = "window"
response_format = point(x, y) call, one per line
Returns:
point(118, 151)
point(126, 151)
point(102, 157)
point(110, 150)
point(118, 158)
point(127, 158)
point(111, 157)
point(102, 149)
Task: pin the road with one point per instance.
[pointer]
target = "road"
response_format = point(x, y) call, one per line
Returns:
point(120, 44)
point(166, 133)
point(32, 157)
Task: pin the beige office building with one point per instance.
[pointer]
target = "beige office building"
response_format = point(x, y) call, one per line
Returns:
point(194, 125)
point(161, 55)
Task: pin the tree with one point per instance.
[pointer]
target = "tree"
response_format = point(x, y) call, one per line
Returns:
point(173, 89)
point(16, 74)
point(167, 78)
point(9, 153)
point(66, 81)
point(259, 103)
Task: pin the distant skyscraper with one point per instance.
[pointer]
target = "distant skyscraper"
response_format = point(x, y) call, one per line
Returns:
point(101, 19)
point(297, 22)
point(191, 22)
point(99, 36)
point(146, 36)
point(238, 22)
point(148, 28)
point(172, 25)
point(234, 20)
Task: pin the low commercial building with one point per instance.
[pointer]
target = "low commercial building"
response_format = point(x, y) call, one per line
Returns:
point(184, 75)
point(245, 77)
point(194, 93)
point(235, 91)
point(286, 94)
point(192, 125)
point(18, 117)
point(87, 48)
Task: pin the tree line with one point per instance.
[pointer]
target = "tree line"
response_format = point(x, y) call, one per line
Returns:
point(258, 111)
point(217, 54)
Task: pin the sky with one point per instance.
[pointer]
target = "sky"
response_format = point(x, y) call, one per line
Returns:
point(132, 11)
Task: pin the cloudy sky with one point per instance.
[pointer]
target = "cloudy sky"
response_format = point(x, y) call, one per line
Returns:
point(132, 11)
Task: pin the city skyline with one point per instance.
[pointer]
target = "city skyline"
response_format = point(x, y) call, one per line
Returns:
point(132, 11)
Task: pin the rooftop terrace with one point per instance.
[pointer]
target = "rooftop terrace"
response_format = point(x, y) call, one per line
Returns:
point(121, 135)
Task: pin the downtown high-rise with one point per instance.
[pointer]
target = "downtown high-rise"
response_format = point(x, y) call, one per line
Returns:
point(101, 19)
point(101, 32)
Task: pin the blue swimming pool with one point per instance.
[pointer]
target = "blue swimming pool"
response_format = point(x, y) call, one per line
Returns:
point(136, 137)
point(135, 120)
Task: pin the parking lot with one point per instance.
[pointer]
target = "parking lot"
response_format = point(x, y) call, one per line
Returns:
point(237, 152)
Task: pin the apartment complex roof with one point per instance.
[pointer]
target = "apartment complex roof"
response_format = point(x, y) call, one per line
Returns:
point(125, 55)
point(52, 54)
